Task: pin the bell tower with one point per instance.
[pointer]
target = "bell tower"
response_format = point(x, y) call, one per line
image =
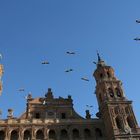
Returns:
point(1, 73)
point(115, 109)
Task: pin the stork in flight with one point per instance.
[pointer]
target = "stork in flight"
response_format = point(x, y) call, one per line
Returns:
point(85, 79)
point(138, 21)
point(69, 70)
point(45, 62)
point(137, 39)
point(70, 52)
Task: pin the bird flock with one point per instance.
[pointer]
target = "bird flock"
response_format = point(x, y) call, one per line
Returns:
point(67, 70)
point(22, 90)
point(46, 62)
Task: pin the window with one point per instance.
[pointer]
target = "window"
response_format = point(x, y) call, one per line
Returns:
point(130, 122)
point(37, 115)
point(39, 135)
point(100, 97)
point(108, 74)
point(14, 135)
point(111, 92)
point(64, 134)
point(87, 133)
point(27, 135)
point(118, 93)
point(2, 135)
point(119, 123)
point(101, 75)
point(63, 115)
point(75, 133)
point(52, 134)
point(98, 133)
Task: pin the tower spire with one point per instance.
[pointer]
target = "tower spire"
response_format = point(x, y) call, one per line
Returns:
point(99, 58)
point(114, 108)
point(100, 61)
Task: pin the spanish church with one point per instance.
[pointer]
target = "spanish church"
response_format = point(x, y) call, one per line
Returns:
point(50, 118)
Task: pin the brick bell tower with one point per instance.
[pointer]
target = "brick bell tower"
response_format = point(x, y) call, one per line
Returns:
point(115, 109)
point(1, 73)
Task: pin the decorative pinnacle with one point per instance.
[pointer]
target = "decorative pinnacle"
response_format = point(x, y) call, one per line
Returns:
point(99, 58)
point(49, 94)
point(100, 61)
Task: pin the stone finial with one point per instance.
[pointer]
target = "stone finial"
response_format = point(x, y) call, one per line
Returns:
point(98, 114)
point(69, 97)
point(49, 89)
point(29, 96)
point(49, 94)
point(88, 115)
point(10, 113)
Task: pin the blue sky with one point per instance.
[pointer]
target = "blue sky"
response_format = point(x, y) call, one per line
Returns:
point(34, 31)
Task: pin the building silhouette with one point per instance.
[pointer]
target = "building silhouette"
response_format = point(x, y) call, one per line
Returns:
point(50, 118)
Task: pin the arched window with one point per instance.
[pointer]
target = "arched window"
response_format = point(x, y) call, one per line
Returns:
point(130, 122)
point(87, 133)
point(98, 133)
point(118, 92)
point(39, 135)
point(2, 135)
point(52, 135)
point(100, 97)
point(64, 134)
point(27, 135)
point(75, 133)
point(37, 115)
point(101, 75)
point(14, 135)
point(108, 74)
point(63, 115)
point(119, 122)
point(111, 93)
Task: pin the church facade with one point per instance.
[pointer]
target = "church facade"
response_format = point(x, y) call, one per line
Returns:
point(50, 118)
